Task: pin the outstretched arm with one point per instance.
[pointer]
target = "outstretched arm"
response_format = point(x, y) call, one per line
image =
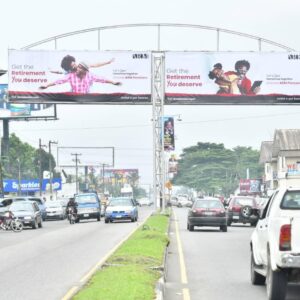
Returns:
point(97, 65)
point(43, 87)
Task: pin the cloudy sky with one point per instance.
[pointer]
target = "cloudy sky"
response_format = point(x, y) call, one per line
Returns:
point(128, 128)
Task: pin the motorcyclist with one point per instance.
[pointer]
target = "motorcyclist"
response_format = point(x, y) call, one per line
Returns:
point(72, 204)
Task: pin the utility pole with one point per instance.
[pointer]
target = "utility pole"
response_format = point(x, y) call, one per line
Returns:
point(40, 166)
point(50, 168)
point(103, 175)
point(19, 176)
point(76, 168)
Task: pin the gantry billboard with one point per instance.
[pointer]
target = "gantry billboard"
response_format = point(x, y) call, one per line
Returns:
point(107, 77)
point(79, 76)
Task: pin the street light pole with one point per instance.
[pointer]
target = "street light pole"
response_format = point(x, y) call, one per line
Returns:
point(19, 176)
point(50, 168)
point(76, 168)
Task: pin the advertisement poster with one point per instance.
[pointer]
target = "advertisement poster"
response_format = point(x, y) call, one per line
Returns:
point(122, 176)
point(250, 186)
point(250, 78)
point(79, 76)
point(33, 185)
point(169, 138)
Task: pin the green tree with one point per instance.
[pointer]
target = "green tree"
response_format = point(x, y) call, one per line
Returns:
point(212, 169)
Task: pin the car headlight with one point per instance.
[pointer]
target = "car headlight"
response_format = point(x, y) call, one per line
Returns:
point(128, 211)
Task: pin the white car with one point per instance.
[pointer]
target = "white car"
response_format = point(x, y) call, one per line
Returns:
point(55, 210)
point(275, 244)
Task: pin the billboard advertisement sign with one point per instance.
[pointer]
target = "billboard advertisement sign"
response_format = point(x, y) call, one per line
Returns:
point(19, 111)
point(123, 176)
point(250, 186)
point(79, 76)
point(250, 78)
point(32, 185)
point(169, 138)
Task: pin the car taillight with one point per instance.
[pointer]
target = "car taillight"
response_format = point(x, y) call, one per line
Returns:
point(285, 237)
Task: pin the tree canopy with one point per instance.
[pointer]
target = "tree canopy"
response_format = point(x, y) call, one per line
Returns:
point(212, 169)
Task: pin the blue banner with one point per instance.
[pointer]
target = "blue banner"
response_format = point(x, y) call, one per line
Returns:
point(33, 185)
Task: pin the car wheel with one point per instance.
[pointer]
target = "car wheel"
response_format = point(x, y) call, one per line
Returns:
point(223, 228)
point(229, 222)
point(98, 218)
point(40, 224)
point(246, 211)
point(253, 224)
point(187, 226)
point(35, 224)
point(191, 227)
point(256, 278)
point(106, 221)
point(276, 283)
point(133, 219)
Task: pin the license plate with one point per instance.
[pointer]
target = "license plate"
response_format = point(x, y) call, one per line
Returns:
point(208, 213)
point(85, 215)
point(118, 216)
point(235, 217)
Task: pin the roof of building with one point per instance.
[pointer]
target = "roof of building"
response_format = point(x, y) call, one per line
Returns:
point(265, 152)
point(286, 139)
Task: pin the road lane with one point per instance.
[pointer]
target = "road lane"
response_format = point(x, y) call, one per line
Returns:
point(45, 263)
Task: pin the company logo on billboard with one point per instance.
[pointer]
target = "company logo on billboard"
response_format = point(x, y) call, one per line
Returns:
point(294, 56)
point(140, 56)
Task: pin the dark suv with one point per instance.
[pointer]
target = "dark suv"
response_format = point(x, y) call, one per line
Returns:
point(242, 209)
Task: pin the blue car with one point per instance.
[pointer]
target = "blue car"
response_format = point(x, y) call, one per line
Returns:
point(88, 206)
point(121, 208)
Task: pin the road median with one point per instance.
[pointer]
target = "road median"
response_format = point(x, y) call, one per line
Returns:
point(133, 270)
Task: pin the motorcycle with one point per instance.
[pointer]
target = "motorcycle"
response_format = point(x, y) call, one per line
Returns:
point(71, 215)
point(12, 223)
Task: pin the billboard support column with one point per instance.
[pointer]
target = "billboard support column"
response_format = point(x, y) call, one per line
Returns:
point(158, 94)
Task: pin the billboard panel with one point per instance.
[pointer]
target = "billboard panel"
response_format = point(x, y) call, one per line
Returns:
point(79, 76)
point(250, 186)
point(121, 176)
point(169, 138)
point(250, 78)
point(33, 185)
point(20, 111)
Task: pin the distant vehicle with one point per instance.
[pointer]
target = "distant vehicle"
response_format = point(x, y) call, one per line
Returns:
point(242, 209)
point(89, 206)
point(121, 208)
point(184, 201)
point(40, 202)
point(27, 212)
point(207, 212)
point(55, 210)
point(275, 244)
point(144, 202)
point(174, 201)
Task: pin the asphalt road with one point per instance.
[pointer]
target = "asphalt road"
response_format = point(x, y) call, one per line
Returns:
point(217, 264)
point(46, 263)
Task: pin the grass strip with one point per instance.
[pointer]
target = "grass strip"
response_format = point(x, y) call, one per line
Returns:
point(132, 271)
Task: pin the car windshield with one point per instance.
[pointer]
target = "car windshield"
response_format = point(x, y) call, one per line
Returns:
point(244, 201)
point(86, 199)
point(291, 200)
point(120, 202)
point(21, 206)
point(208, 204)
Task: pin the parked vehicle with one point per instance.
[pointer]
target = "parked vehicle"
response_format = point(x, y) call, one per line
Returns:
point(89, 206)
point(207, 212)
point(174, 201)
point(40, 202)
point(243, 209)
point(28, 213)
point(121, 208)
point(55, 210)
point(275, 244)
